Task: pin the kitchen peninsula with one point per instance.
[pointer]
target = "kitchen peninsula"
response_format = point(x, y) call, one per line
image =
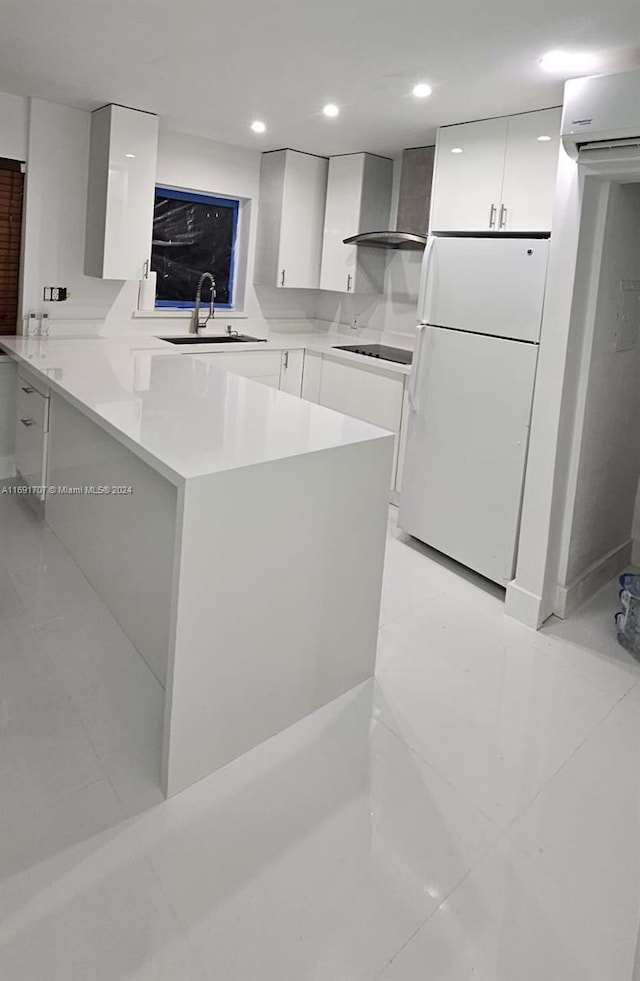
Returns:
point(242, 541)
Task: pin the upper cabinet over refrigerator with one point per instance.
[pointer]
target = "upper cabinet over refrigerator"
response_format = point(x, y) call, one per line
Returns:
point(496, 175)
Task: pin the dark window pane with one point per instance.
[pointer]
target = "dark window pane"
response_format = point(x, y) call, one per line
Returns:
point(191, 237)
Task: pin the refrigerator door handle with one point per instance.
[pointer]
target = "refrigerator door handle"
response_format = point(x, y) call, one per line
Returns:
point(415, 368)
point(425, 272)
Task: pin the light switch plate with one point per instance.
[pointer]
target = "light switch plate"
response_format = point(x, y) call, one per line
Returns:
point(628, 319)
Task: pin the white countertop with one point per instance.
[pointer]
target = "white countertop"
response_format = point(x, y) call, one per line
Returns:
point(184, 417)
point(322, 342)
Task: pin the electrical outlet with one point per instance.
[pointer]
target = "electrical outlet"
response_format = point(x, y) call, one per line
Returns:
point(55, 294)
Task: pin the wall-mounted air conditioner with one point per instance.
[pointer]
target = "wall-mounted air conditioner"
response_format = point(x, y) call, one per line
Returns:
point(601, 118)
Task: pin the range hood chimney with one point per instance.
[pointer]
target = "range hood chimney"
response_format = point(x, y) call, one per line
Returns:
point(414, 199)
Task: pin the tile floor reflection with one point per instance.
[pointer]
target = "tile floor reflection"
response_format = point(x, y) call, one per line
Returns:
point(470, 814)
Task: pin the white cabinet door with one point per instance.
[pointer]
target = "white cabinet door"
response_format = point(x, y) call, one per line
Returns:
point(374, 396)
point(402, 439)
point(8, 377)
point(358, 200)
point(291, 372)
point(293, 190)
point(530, 170)
point(311, 376)
point(468, 185)
point(121, 192)
point(302, 220)
point(342, 218)
point(278, 369)
point(261, 366)
point(32, 422)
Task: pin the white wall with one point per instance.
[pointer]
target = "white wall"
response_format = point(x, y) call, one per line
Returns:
point(605, 443)
point(393, 310)
point(14, 122)
point(530, 597)
point(56, 141)
point(578, 219)
point(55, 215)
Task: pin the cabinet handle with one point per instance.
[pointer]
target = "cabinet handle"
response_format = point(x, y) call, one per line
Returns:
point(25, 388)
point(286, 359)
point(503, 216)
point(282, 277)
point(28, 422)
point(349, 278)
point(492, 216)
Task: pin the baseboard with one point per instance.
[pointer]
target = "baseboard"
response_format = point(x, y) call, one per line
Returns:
point(569, 598)
point(523, 606)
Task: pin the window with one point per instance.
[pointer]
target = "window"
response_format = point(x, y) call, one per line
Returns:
point(193, 233)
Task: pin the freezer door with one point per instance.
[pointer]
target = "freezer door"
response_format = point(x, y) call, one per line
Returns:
point(487, 286)
point(466, 447)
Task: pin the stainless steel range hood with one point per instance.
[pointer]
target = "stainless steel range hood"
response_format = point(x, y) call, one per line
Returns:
point(414, 199)
point(388, 240)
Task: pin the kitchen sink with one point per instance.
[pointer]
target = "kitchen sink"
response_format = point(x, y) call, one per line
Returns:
point(218, 339)
point(382, 351)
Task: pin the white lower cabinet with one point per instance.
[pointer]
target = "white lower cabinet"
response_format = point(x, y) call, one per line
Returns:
point(7, 417)
point(370, 393)
point(402, 439)
point(291, 369)
point(311, 376)
point(277, 369)
point(32, 428)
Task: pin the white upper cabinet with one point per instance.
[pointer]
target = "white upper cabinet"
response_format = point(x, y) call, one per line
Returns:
point(530, 168)
point(121, 192)
point(496, 174)
point(468, 176)
point(293, 190)
point(358, 200)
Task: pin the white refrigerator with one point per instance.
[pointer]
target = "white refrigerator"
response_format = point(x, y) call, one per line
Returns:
point(470, 397)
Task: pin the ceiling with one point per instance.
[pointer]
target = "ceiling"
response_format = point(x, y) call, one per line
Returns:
point(210, 67)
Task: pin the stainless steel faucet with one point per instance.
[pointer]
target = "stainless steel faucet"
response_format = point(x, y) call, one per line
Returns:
point(195, 325)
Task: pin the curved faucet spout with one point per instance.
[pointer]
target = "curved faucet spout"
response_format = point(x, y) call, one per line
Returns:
point(195, 324)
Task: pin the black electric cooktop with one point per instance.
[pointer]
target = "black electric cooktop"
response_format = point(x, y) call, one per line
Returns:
point(382, 351)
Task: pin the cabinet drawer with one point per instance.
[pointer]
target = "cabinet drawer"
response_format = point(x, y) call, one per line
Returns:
point(32, 405)
point(30, 449)
point(27, 381)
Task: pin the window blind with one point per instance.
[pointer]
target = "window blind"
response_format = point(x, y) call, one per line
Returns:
point(11, 188)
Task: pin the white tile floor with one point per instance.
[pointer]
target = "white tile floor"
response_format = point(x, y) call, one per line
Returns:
point(473, 814)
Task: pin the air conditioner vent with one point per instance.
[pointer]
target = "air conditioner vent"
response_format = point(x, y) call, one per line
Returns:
point(633, 141)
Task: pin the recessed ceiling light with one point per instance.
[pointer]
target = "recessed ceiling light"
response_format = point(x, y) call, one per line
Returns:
point(130, 155)
point(421, 90)
point(543, 139)
point(258, 127)
point(567, 61)
point(330, 110)
point(457, 149)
